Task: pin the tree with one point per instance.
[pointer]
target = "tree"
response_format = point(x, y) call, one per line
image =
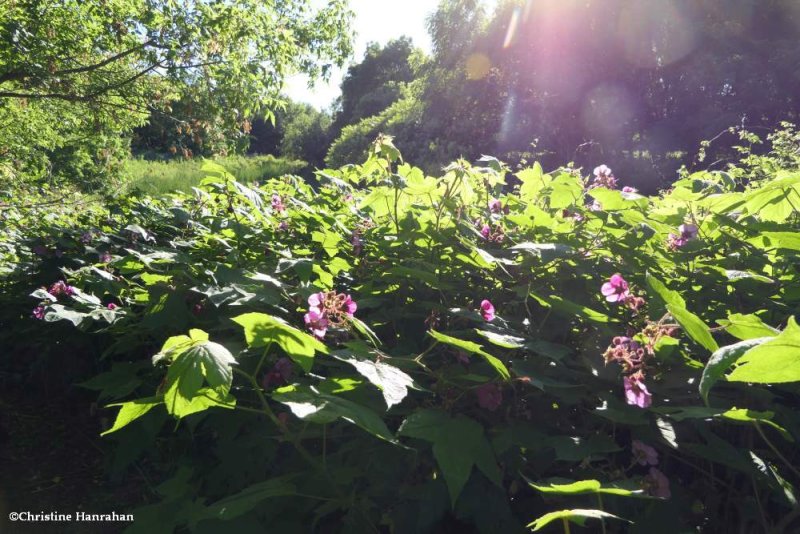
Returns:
point(305, 133)
point(375, 83)
point(118, 62)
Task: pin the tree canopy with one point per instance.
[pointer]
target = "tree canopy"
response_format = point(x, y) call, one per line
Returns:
point(113, 64)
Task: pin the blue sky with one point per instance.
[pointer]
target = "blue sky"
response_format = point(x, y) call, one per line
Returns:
point(375, 21)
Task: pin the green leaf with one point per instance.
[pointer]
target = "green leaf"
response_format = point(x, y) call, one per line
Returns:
point(392, 382)
point(569, 308)
point(133, 410)
point(309, 404)
point(751, 416)
point(577, 516)
point(240, 503)
point(747, 326)
point(721, 360)
point(694, 327)
point(458, 445)
point(582, 487)
point(507, 341)
point(261, 329)
point(773, 362)
point(472, 348)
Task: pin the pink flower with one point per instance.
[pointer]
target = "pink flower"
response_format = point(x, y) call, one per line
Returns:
point(112, 306)
point(629, 189)
point(487, 310)
point(616, 289)
point(636, 393)
point(280, 374)
point(643, 454)
point(61, 288)
point(277, 203)
point(328, 309)
point(603, 177)
point(38, 312)
point(486, 231)
point(490, 396)
point(495, 206)
point(316, 323)
point(657, 484)
point(105, 257)
point(687, 233)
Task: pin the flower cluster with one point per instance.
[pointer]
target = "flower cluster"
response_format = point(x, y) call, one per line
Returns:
point(655, 483)
point(686, 233)
point(495, 206)
point(493, 235)
point(603, 177)
point(618, 290)
point(626, 352)
point(61, 288)
point(328, 309)
point(277, 203)
point(357, 236)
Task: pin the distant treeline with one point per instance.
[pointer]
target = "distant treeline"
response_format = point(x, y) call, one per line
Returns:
point(633, 83)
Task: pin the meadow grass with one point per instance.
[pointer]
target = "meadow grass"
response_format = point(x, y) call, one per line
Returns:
point(160, 177)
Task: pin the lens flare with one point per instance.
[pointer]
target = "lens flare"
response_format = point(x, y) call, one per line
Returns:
point(656, 34)
point(513, 26)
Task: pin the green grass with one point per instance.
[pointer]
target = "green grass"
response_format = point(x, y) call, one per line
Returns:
point(160, 177)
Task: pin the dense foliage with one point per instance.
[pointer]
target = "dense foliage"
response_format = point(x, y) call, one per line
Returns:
point(405, 353)
point(197, 69)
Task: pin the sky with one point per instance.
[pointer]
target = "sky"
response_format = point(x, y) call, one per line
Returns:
point(375, 21)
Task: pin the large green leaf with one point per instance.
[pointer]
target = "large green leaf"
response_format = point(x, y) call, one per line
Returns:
point(261, 329)
point(310, 404)
point(746, 326)
point(458, 444)
point(392, 382)
point(722, 359)
point(472, 348)
point(772, 362)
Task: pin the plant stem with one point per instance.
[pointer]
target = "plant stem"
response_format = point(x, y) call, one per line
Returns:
point(775, 449)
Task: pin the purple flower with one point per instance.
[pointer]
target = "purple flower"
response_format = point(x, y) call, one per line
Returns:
point(316, 323)
point(61, 288)
point(487, 310)
point(490, 396)
point(112, 306)
point(643, 454)
point(280, 374)
point(328, 309)
point(38, 312)
point(486, 231)
point(495, 206)
point(277, 203)
point(629, 189)
point(105, 257)
point(595, 206)
point(283, 226)
point(636, 393)
point(656, 484)
point(616, 289)
point(603, 177)
point(87, 237)
point(687, 233)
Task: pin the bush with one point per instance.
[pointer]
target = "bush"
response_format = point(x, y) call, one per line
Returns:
point(398, 352)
